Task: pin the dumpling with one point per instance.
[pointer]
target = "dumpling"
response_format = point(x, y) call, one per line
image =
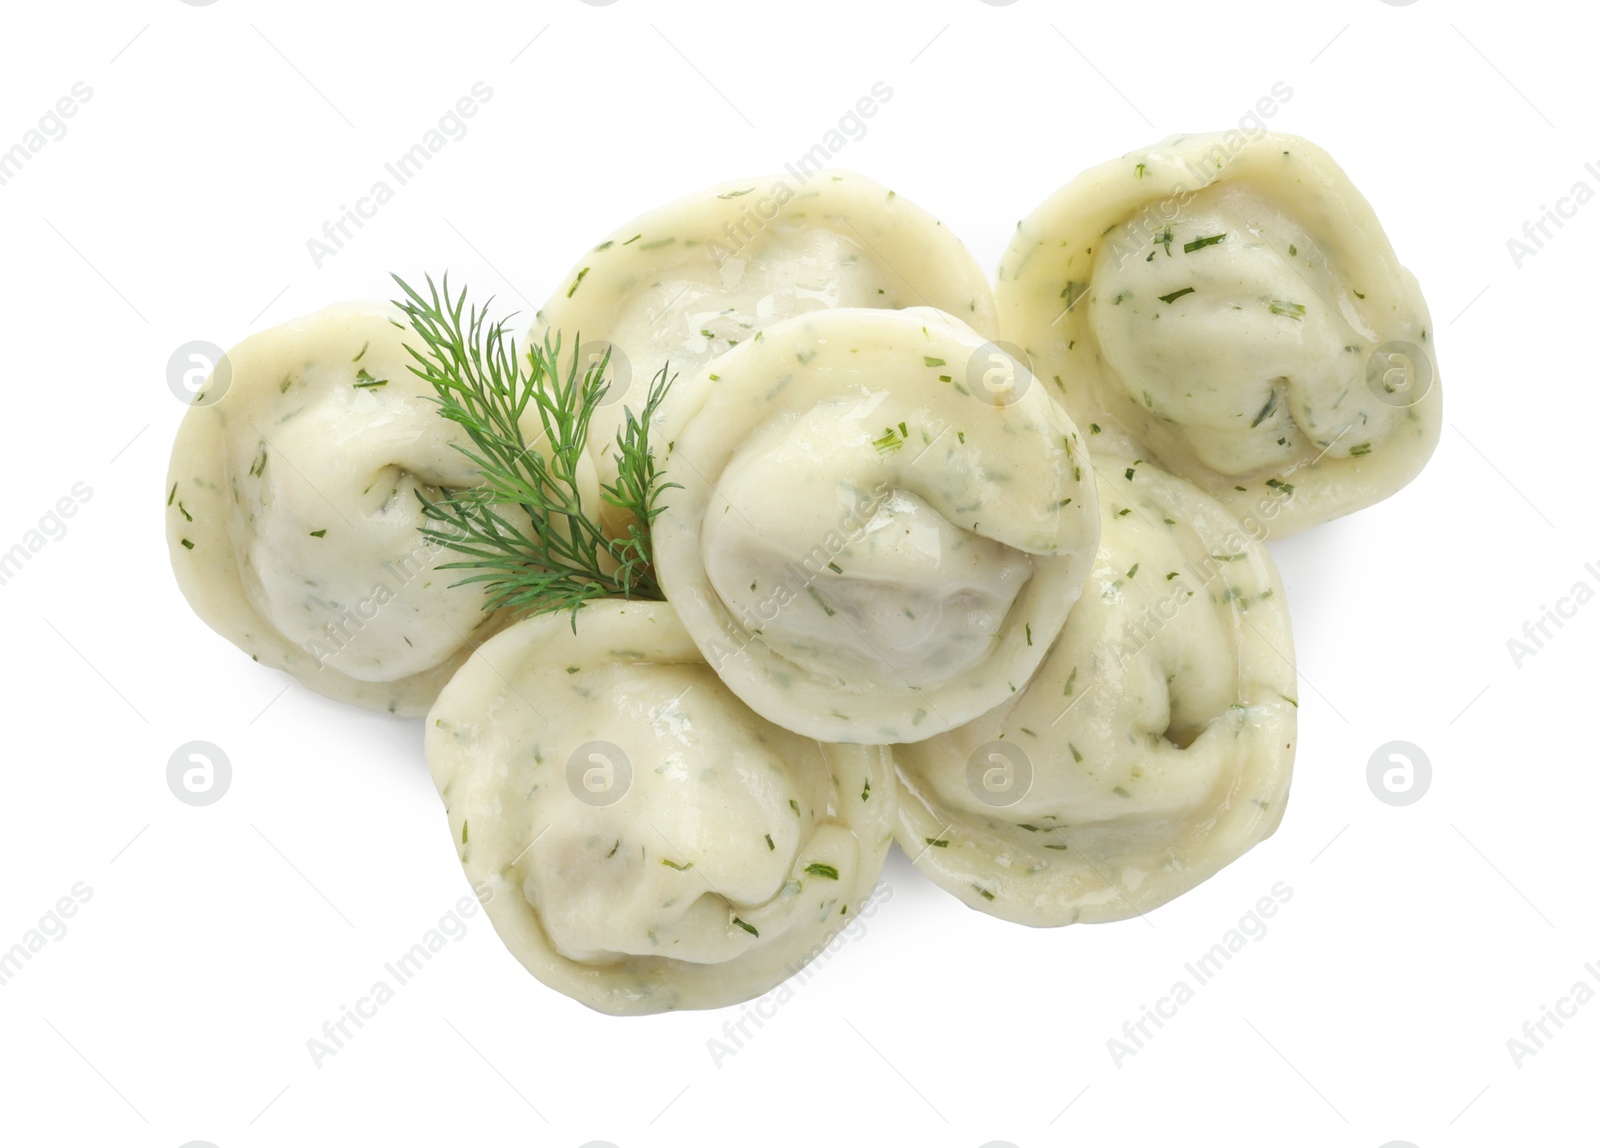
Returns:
point(689, 280)
point(882, 522)
point(642, 841)
point(292, 512)
point(1153, 747)
point(1231, 309)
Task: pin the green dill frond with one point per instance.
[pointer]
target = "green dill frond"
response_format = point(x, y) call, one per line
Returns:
point(536, 547)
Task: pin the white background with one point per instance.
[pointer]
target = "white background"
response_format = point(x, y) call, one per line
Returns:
point(218, 940)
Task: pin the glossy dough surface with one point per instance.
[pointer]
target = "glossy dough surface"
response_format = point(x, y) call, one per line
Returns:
point(1153, 747)
point(687, 281)
point(866, 549)
point(293, 516)
point(641, 839)
point(1232, 309)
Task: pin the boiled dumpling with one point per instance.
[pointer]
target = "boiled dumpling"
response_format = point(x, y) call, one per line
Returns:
point(1153, 747)
point(293, 518)
point(1231, 309)
point(641, 839)
point(687, 281)
point(881, 523)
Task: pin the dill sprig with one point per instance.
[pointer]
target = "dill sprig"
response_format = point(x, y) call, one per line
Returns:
point(552, 555)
